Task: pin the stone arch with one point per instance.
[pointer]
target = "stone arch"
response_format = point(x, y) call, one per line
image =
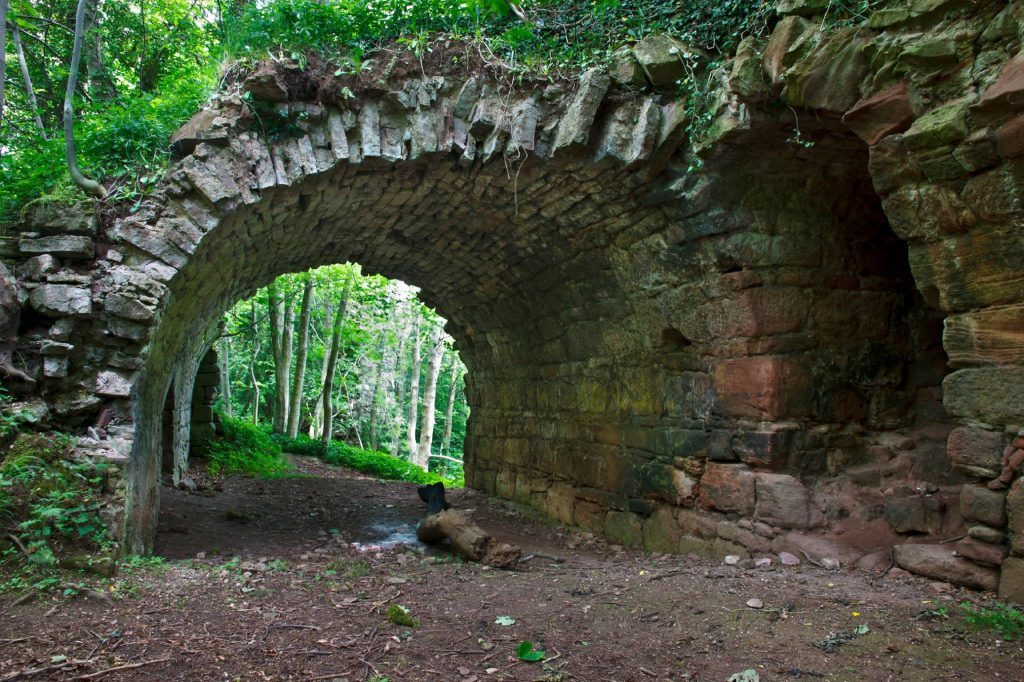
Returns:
point(688, 356)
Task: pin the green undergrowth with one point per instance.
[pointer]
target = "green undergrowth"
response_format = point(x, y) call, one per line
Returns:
point(1005, 620)
point(244, 448)
point(50, 512)
point(379, 464)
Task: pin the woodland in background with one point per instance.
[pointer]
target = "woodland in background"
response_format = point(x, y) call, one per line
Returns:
point(392, 377)
point(147, 65)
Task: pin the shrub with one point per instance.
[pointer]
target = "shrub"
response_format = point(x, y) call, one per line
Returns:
point(245, 449)
point(373, 462)
point(51, 500)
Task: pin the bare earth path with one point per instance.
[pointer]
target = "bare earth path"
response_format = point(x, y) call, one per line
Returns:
point(317, 566)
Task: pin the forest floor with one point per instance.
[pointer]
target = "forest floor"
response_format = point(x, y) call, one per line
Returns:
point(290, 579)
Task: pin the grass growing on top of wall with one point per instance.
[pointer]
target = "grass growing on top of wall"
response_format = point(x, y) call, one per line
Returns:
point(373, 462)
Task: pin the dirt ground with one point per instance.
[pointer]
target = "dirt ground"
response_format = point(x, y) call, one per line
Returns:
point(290, 579)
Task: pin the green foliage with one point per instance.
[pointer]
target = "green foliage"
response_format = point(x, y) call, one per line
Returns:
point(1004, 619)
point(526, 652)
point(51, 501)
point(245, 449)
point(399, 615)
point(376, 463)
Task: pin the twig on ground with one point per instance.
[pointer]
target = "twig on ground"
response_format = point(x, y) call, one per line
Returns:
point(542, 555)
point(118, 668)
point(298, 626)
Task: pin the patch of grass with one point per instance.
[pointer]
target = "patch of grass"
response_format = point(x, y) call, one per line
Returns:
point(373, 462)
point(245, 449)
point(399, 615)
point(1004, 619)
point(353, 569)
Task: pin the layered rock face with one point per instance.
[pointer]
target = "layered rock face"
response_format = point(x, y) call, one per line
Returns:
point(799, 330)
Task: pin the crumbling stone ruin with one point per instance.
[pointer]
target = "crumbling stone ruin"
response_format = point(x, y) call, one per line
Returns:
point(800, 330)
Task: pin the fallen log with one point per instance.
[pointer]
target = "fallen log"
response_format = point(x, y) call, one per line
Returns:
point(468, 540)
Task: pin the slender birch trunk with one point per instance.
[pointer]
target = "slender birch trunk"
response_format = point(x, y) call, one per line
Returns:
point(30, 91)
point(446, 439)
point(223, 359)
point(281, 351)
point(414, 384)
point(252, 368)
point(422, 458)
point(295, 402)
point(332, 362)
point(398, 385)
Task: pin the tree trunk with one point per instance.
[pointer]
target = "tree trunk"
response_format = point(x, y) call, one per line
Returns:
point(317, 423)
point(398, 385)
point(225, 376)
point(181, 423)
point(3, 57)
point(422, 458)
point(101, 88)
point(280, 349)
point(252, 368)
point(30, 91)
point(373, 405)
point(414, 384)
point(446, 440)
point(295, 402)
point(332, 362)
point(90, 186)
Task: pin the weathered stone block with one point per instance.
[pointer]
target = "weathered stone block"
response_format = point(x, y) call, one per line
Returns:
point(625, 528)
point(802, 7)
point(63, 246)
point(1011, 581)
point(590, 516)
point(1015, 517)
point(978, 503)
point(64, 219)
point(994, 336)
point(560, 502)
point(914, 514)
point(789, 41)
point(574, 128)
point(941, 563)
point(662, 58)
point(1005, 95)
point(763, 387)
point(976, 452)
point(982, 552)
point(992, 536)
point(114, 383)
point(661, 531)
point(62, 299)
point(885, 113)
point(767, 447)
point(783, 501)
point(1010, 138)
point(828, 78)
point(990, 394)
point(728, 488)
point(728, 530)
point(505, 484)
point(942, 126)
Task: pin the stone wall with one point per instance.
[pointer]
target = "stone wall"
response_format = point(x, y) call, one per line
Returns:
point(798, 330)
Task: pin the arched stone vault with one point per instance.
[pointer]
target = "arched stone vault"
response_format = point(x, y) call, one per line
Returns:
point(704, 359)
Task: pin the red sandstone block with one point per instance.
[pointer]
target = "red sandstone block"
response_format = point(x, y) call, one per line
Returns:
point(888, 112)
point(1010, 138)
point(728, 488)
point(1006, 94)
point(763, 387)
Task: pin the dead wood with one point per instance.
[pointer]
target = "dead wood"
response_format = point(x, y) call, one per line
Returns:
point(468, 540)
